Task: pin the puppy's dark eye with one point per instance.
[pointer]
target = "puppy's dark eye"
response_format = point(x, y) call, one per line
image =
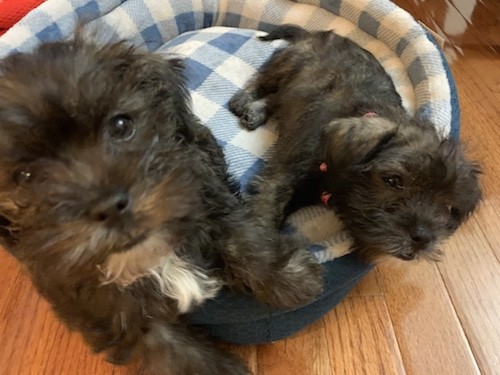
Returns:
point(23, 175)
point(121, 127)
point(394, 182)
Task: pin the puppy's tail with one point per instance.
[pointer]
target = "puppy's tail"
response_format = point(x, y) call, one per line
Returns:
point(171, 349)
point(291, 33)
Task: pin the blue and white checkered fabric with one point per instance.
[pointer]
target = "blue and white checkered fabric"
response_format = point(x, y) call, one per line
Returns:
point(381, 27)
point(219, 60)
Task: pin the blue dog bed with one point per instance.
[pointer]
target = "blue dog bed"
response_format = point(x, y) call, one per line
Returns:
point(218, 42)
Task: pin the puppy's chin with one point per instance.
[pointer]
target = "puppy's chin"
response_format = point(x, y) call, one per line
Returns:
point(433, 254)
point(376, 250)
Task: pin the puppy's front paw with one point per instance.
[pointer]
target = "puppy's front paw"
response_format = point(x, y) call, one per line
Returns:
point(254, 115)
point(296, 284)
point(239, 102)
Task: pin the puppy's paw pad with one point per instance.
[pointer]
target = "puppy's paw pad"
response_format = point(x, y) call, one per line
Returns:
point(239, 102)
point(254, 115)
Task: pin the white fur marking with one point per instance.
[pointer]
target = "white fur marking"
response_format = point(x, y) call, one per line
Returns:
point(155, 258)
point(183, 282)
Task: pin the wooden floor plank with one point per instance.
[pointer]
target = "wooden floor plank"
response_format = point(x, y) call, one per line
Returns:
point(304, 353)
point(472, 276)
point(480, 113)
point(22, 325)
point(361, 339)
point(247, 353)
point(428, 330)
point(9, 272)
point(488, 219)
point(480, 110)
point(368, 286)
point(77, 358)
point(486, 67)
point(48, 346)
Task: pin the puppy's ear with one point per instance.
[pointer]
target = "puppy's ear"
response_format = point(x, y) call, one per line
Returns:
point(355, 141)
point(463, 178)
point(168, 73)
point(350, 145)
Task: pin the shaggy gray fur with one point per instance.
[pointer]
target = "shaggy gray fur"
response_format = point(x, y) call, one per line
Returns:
point(119, 204)
point(398, 188)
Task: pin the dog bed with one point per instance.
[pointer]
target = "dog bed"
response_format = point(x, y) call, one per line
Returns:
point(218, 40)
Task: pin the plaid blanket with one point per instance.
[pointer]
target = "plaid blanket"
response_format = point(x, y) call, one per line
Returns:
point(219, 60)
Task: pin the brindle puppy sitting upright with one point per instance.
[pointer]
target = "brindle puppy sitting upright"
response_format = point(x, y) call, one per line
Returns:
point(119, 204)
point(343, 134)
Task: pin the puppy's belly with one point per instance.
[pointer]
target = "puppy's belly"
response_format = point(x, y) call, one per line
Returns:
point(177, 279)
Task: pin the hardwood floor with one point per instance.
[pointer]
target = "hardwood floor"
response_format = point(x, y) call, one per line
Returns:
point(404, 318)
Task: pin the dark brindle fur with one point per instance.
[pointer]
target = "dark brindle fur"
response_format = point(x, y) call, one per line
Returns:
point(398, 187)
point(119, 204)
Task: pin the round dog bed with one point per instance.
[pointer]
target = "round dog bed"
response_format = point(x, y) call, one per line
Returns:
point(217, 40)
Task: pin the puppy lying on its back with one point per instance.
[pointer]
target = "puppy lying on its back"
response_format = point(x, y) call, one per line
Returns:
point(345, 138)
point(119, 204)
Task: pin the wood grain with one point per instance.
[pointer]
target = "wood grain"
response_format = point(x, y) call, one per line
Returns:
point(480, 114)
point(361, 338)
point(247, 353)
point(305, 353)
point(472, 276)
point(369, 286)
point(35, 342)
point(463, 24)
point(429, 332)
point(9, 272)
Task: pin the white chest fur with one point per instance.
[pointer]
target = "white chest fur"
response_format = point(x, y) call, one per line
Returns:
point(155, 258)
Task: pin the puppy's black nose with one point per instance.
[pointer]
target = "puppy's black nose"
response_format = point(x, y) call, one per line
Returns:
point(111, 207)
point(421, 236)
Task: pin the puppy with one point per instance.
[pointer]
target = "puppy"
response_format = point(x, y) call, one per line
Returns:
point(345, 139)
point(119, 204)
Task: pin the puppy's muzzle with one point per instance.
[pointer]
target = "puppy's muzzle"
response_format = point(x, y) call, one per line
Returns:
point(421, 237)
point(112, 208)
point(422, 240)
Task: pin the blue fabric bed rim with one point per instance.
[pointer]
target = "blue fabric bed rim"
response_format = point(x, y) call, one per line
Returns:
point(241, 320)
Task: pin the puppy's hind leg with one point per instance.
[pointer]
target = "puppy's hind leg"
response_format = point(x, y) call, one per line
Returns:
point(296, 278)
point(278, 270)
point(252, 104)
point(172, 350)
point(274, 268)
point(274, 188)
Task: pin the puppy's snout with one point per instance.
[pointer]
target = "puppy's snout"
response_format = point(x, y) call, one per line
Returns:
point(112, 207)
point(421, 236)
